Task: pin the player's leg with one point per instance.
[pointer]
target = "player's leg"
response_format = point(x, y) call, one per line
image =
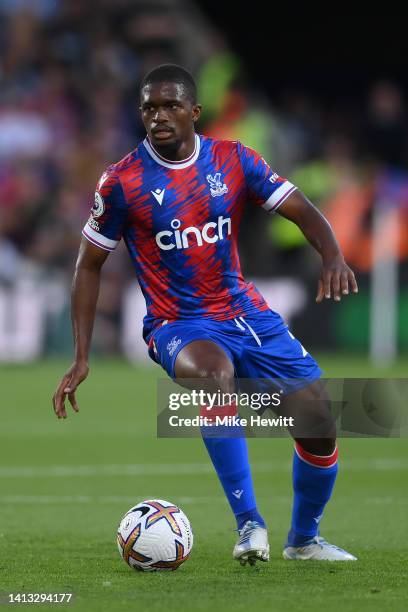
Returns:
point(314, 473)
point(279, 355)
point(314, 461)
point(206, 365)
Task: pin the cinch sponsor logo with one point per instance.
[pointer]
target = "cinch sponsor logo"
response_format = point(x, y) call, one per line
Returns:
point(193, 236)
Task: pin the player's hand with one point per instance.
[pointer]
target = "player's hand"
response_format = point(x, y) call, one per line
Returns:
point(67, 387)
point(336, 279)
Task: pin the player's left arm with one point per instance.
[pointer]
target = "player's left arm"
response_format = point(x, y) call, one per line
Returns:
point(336, 277)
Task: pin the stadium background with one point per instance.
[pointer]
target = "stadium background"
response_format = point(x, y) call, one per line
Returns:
point(324, 109)
point(69, 107)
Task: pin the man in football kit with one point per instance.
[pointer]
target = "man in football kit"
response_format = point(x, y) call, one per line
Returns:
point(177, 201)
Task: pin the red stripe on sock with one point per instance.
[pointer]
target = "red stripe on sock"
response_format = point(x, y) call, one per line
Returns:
point(218, 411)
point(317, 460)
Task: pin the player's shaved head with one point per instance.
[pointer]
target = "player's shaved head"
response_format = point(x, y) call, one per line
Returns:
point(172, 73)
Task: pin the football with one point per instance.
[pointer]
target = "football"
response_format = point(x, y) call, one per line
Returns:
point(155, 535)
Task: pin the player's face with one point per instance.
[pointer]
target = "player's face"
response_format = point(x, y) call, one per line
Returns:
point(168, 115)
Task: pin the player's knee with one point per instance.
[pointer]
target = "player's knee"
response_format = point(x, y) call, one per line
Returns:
point(206, 366)
point(313, 418)
point(218, 375)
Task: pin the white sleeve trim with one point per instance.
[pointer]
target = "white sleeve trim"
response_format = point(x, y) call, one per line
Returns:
point(98, 239)
point(278, 197)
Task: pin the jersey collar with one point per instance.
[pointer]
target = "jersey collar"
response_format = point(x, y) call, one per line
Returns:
point(174, 165)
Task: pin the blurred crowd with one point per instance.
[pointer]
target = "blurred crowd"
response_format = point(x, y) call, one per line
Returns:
point(69, 77)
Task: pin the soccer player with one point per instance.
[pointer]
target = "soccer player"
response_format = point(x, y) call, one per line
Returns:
point(177, 201)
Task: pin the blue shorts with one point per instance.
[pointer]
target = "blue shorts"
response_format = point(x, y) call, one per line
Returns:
point(259, 346)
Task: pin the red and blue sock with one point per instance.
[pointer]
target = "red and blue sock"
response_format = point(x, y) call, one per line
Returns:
point(229, 456)
point(313, 481)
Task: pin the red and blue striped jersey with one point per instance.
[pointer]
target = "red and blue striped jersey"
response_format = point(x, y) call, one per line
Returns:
point(180, 222)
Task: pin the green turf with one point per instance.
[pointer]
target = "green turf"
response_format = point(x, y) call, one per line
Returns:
point(64, 486)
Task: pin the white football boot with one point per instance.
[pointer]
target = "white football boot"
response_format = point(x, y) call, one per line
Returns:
point(317, 550)
point(252, 544)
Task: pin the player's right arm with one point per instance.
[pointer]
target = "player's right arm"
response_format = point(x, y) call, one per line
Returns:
point(84, 297)
point(101, 233)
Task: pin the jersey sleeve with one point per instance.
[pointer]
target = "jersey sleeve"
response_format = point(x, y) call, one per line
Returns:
point(266, 188)
point(105, 225)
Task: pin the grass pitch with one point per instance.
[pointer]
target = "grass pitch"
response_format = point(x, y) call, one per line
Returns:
point(66, 484)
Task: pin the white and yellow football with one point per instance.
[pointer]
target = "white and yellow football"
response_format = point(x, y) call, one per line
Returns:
point(155, 535)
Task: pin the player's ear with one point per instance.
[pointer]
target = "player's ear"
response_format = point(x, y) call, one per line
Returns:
point(196, 112)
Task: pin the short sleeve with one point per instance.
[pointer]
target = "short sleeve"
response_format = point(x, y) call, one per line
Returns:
point(105, 225)
point(266, 188)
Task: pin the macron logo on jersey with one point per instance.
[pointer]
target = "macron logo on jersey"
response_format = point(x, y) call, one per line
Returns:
point(193, 236)
point(158, 194)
